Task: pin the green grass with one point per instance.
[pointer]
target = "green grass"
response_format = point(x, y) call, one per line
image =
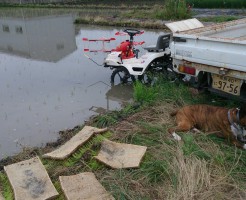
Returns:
point(113, 117)
point(6, 189)
point(153, 170)
point(170, 9)
point(138, 14)
point(164, 90)
point(143, 93)
point(175, 9)
point(219, 19)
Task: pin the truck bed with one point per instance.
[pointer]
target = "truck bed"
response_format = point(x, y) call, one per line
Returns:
point(219, 46)
point(233, 30)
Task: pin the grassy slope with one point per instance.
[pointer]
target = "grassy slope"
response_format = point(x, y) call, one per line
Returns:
point(198, 167)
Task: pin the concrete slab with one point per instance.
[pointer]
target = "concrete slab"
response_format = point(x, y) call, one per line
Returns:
point(30, 180)
point(74, 143)
point(83, 186)
point(118, 155)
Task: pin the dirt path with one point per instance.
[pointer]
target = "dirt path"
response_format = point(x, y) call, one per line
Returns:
point(218, 12)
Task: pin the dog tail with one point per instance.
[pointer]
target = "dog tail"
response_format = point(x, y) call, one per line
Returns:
point(172, 114)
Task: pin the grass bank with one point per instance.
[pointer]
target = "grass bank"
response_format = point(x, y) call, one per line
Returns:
point(145, 15)
point(154, 17)
point(219, 19)
point(121, 22)
point(198, 167)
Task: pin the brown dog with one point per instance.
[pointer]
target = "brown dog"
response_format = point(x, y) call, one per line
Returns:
point(226, 123)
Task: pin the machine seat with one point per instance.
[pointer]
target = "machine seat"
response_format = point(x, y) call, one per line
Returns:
point(161, 45)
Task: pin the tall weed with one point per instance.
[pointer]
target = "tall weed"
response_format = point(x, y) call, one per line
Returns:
point(174, 9)
point(143, 93)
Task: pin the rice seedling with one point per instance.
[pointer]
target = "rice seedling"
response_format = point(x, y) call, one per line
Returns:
point(59, 190)
point(6, 187)
point(91, 148)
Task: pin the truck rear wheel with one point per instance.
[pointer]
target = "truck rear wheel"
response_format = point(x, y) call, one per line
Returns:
point(121, 76)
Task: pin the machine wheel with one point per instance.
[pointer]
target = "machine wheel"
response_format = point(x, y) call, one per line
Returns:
point(121, 76)
point(169, 74)
point(146, 78)
point(153, 74)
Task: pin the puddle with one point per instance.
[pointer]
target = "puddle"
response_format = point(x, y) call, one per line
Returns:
point(46, 82)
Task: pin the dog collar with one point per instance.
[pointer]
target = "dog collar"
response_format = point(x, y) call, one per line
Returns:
point(238, 110)
point(234, 124)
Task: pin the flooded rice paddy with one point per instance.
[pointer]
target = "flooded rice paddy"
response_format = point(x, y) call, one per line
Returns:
point(46, 83)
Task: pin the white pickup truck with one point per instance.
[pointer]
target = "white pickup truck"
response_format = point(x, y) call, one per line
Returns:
point(214, 56)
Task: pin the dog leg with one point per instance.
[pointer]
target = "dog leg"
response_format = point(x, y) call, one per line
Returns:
point(172, 132)
point(239, 144)
point(180, 128)
point(195, 130)
point(176, 136)
point(233, 138)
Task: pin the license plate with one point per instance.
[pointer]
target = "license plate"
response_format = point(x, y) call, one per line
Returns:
point(227, 84)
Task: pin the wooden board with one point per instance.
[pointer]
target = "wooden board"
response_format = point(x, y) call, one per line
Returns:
point(30, 180)
point(118, 155)
point(74, 143)
point(1, 196)
point(83, 186)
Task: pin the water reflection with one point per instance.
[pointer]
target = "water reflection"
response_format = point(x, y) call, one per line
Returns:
point(40, 98)
point(121, 94)
point(47, 38)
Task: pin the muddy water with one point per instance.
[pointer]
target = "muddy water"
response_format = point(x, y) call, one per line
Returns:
point(46, 82)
